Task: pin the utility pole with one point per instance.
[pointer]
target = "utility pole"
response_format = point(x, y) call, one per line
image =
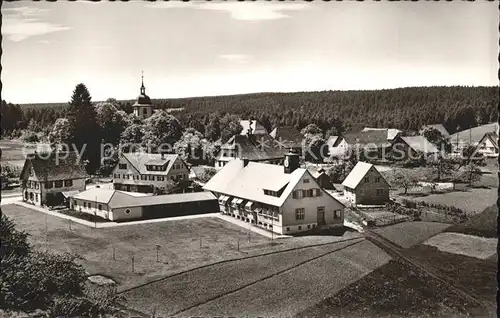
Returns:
point(95, 214)
point(157, 253)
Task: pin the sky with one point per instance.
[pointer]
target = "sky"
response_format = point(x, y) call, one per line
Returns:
point(219, 48)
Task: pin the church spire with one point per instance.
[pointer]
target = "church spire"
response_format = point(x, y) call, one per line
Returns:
point(143, 89)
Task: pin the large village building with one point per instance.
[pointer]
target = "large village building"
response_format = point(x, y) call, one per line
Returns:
point(288, 137)
point(146, 172)
point(414, 147)
point(143, 107)
point(373, 143)
point(366, 186)
point(283, 199)
point(115, 205)
point(254, 147)
point(45, 177)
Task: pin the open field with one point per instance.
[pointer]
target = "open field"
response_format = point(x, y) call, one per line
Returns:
point(408, 234)
point(483, 224)
point(463, 244)
point(394, 290)
point(179, 240)
point(279, 288)
point(475, 275)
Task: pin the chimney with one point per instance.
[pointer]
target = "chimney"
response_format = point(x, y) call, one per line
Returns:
point(292, 162)
point(245, 162)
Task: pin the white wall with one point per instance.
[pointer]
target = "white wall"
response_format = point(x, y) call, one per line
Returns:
point(339, 150)
point(129, 213)
point(77, 205)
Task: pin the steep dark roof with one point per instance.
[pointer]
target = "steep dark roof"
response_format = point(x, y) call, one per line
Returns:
point(371, 137)
point(288, 136)
point(56, 166)
point(256, 147)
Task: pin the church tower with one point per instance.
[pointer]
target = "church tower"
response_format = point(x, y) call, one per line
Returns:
point(143, 107)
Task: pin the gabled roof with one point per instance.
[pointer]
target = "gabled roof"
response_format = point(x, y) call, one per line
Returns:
point(391, 132)
point(473, 135)
point(257, 147)
point(357, 174)
point(420, 144)
point(316, 172)
point(334, 141)
point(54, 166)
point(139, 160)
point(371, 137)
point(492, 136)
point(256, 127)
point(439, 127)
point(250, 182)
point(288, 136)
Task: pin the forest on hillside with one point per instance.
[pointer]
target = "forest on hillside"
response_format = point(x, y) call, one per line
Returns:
point(456, 107)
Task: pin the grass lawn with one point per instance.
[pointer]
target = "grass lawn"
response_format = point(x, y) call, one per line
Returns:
point(483, 224)
point(471, 201)
point(290, 292)
point(472, 274)
point(408, 234)
point(394, 290)
point(463, 244)
point(179, 240)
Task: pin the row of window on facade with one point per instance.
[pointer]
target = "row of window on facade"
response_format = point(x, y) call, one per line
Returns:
point(377, 179)
point(261, 208)
point(50, 184)
point(89, 205)
point(175, 166)
point(144, 177)
point(31, 196)
point(309, 193)
point(300, 213)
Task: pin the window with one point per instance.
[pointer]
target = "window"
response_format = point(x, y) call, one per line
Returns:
point(151, 178)
point(36, 196)
point(130, 176)
point(68, 183)
point(300, 227)
point(37, 185)
point(380, 192)
point(378, 179)
point(84, 204)
point(299, 214)
point(306, 180)
point(124, 176)
point(143, 177)
point(90, 205)
point(337, 214)
point(288, 229)
point(145, 111)
point(160, 178)
point(127, 211)
point(319, 192)
point(31, 196)
point(367, 179)
point(122, 166)
point(172, 178)
point(308, 226)
point(100, 207)
point(58, 184)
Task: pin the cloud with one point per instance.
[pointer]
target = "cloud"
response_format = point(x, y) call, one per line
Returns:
point(23, 22)
point(244, 11)
point(235, 57)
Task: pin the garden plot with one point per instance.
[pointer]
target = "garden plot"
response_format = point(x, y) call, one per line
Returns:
point(468, 245)
point(408, 234)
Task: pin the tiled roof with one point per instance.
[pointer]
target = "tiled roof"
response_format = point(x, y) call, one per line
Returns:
point(289, 136)
point(56, 166)
point(139, 160)
point(257, 128)
point(371, 137)
point(419, 143)
point(256, 147)
point(439, 127)
point(357, 174)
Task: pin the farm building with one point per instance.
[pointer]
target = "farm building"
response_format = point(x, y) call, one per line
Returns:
point(252, 127)
point(366, 186)
point(412, 147)
point(283, 199)
point(337, 146)
point(289, 137)
point(117, 205)
point(45, 176)
point(254, 147)
point(145, 172)
point(488, 145)
point(323, 180)
point(374, 143)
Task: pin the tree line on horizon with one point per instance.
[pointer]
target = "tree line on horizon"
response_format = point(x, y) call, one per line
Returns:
point(456, 107)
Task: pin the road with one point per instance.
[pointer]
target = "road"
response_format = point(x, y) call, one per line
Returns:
point(11, 199)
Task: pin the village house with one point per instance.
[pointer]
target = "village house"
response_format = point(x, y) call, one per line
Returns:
point(289, 137)
point(366, 186)
point(147, 172)
point(323, 180)
point(488, 145)
point(414, 147)
point(254, 147)
point(472, 136)
point(283, 199)
point(337, 146)
point(143, 107)
point(372, 143)
point(46, 176)
point(115, 205)
point(252, 127)
point(438, 127)
point(391, 133)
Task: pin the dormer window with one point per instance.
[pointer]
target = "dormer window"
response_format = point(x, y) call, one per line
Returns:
point(271, 193)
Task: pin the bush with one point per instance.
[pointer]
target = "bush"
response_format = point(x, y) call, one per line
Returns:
point(29, 136)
